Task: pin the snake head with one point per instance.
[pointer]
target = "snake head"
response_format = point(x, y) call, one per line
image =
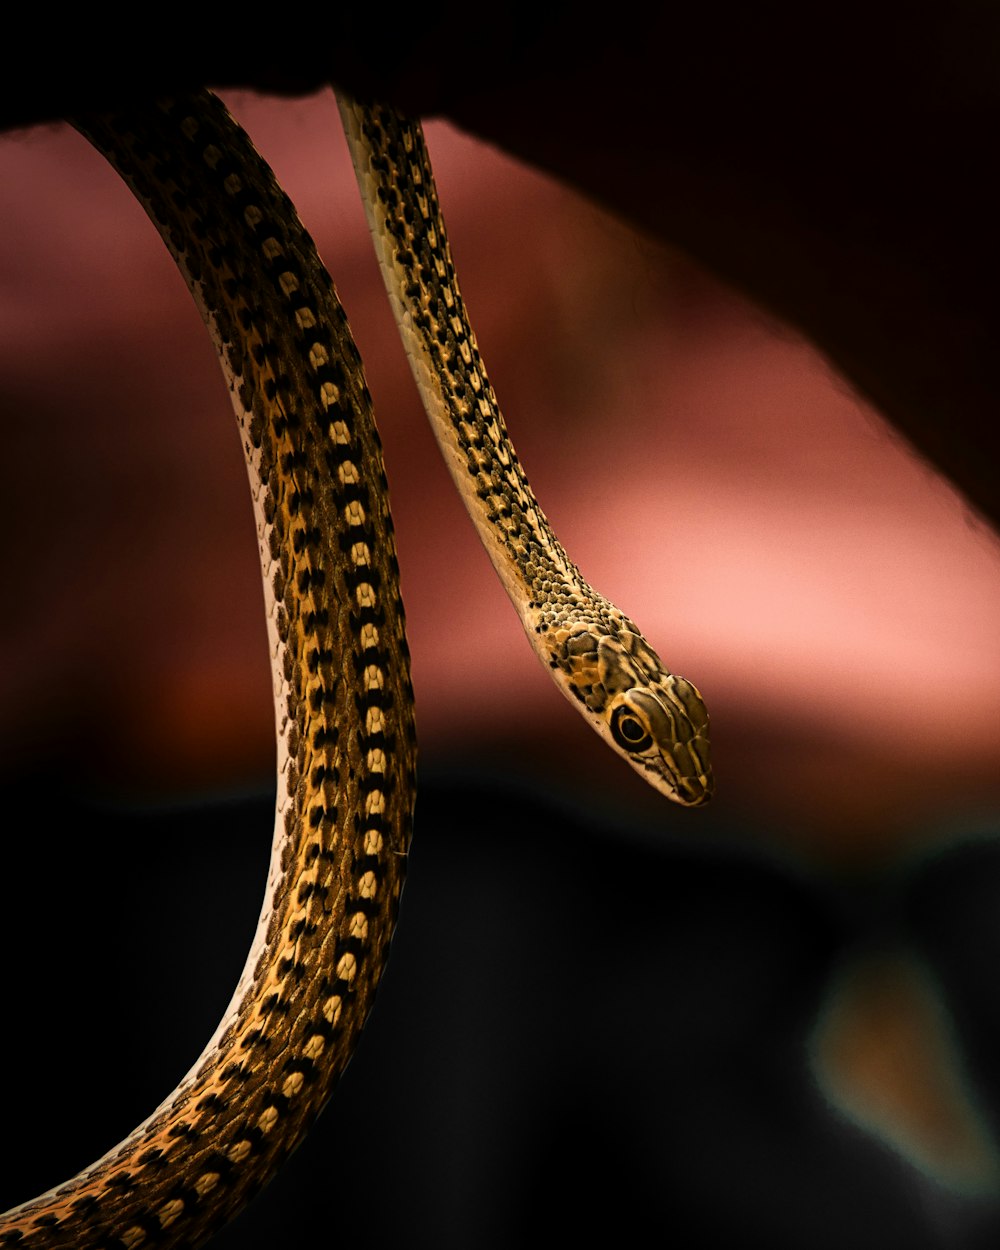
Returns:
point(652, 717)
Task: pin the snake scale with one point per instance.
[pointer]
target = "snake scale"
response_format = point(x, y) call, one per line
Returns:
point(346, 747)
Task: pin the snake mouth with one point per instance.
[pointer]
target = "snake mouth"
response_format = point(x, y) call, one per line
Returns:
point(685, 790)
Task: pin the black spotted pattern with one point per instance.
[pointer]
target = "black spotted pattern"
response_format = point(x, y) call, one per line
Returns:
point(346, 796)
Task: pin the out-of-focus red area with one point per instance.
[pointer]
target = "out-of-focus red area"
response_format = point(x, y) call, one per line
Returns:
point(779, 545)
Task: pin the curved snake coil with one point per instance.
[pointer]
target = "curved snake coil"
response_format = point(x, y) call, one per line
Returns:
point(346, 747)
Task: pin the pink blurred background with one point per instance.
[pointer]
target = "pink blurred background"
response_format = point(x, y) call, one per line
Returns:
point(831, 596)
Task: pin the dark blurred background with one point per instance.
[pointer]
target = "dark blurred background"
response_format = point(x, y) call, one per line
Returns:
point(768, 1023)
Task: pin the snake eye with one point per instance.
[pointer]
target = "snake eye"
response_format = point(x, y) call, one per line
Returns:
point(628, 731)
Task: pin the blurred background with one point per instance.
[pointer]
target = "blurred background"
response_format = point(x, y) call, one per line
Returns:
point(769, 1021)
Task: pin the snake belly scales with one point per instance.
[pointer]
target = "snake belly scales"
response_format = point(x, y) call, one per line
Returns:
point(346, 748)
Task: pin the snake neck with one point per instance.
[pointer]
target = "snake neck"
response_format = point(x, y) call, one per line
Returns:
point(389, 153)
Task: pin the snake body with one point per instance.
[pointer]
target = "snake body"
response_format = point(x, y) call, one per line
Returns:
point(599, 658)
point(346, 748)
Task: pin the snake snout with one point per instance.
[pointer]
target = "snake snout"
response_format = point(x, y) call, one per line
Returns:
point(695, 791)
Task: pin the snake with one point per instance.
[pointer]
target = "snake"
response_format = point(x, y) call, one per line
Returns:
point(343, 699)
